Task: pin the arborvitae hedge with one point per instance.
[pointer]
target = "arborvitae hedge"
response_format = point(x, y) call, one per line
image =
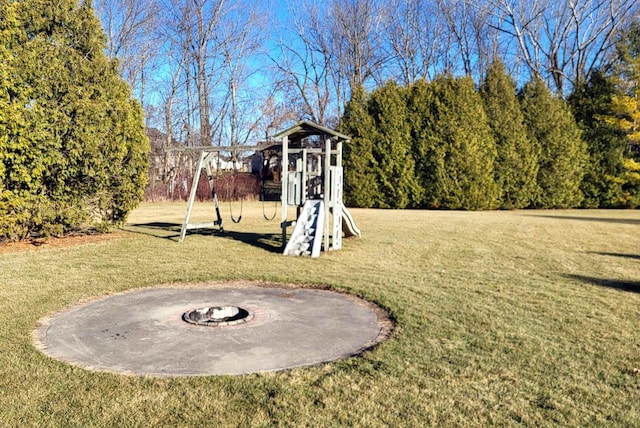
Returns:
point(464, 150)
point(592, 106)
point(360, 166)
point(442, 145)
point(73, 152)
point(427, 149)
point(395, 166)
point(562, 152)
point(431, 144)
point(516, 166)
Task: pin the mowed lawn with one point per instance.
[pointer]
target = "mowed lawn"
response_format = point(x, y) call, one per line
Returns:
point(523, 318)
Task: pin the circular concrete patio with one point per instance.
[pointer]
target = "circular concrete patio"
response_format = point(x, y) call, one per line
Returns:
point(142, 332)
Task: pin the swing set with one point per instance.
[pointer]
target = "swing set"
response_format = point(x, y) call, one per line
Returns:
point(208, 156)
point(302, 167)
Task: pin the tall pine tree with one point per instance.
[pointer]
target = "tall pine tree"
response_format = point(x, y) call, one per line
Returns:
point(75, 152)
point(516, 165)
point(562, 153)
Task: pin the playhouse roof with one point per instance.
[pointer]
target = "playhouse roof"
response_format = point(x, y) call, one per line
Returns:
point(305, 129)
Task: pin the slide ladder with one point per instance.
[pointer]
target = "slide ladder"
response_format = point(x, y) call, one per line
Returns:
point(306, 239)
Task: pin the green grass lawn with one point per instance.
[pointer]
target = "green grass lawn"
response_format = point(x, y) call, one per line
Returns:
point(502, 318)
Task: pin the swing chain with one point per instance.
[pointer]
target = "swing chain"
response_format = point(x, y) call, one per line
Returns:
point(229, 194)
point(275, 211)
point(233, 219)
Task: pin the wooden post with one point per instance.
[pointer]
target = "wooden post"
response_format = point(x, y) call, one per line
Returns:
point(327, 190)
point(337, 191)
point(336, 184)
point(285, 188)
point(303, 190)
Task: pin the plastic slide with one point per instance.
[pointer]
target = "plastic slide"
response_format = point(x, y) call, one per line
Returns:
point(348, 225)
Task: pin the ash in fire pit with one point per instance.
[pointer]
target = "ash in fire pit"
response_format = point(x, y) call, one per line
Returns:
point(217, 316)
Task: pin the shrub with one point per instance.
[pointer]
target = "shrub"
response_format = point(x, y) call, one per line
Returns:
point(73, 152)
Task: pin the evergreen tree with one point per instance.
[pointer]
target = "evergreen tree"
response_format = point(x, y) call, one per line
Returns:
point(593, 107)
point(626, 106)
point(397, 183)
point(628, 81)
point(629, 180)
point(426, 143)
point(516, 163)
point(14, 140)
point(457, 148)
point(562, 153)
point(360, 181)
point(75, 152)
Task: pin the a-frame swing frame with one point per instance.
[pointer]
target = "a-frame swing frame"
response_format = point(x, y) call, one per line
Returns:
point(206, 156)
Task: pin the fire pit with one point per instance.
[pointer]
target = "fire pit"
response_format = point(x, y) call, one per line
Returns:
point(215, 316)
point(212, 329)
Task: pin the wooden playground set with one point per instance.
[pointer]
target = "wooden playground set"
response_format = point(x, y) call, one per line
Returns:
point(302, 169)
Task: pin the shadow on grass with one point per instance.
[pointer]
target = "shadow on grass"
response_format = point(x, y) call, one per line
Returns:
point(157, 228)
point(632, 286)
point(174, 227)
point(628, 256)
point(598, 219)
point(268, 242)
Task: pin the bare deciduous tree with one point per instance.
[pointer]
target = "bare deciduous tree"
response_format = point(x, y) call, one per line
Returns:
point(355, 29)
point(217, 43)
point(242, 33)
point(563, 41)
point(337, 47)
point(131, 28)
point(413, 39)
point(194, 25)
point(473, 44)
point(302, 70)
